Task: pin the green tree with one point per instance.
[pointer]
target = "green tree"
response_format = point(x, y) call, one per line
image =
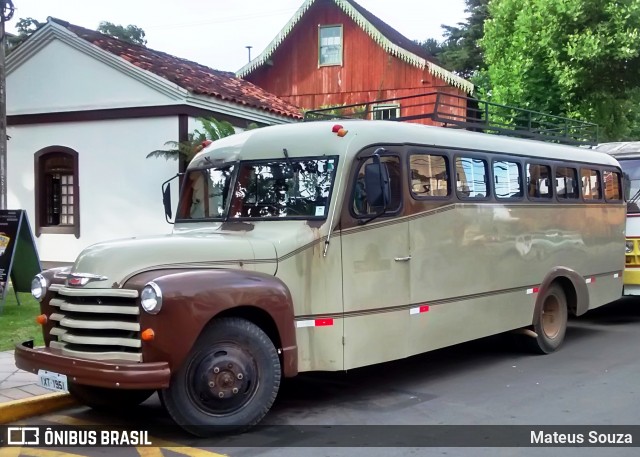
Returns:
point(460, 52)
point(574, 58)
point(130, 33)
point(25, 27)
point(213, 130)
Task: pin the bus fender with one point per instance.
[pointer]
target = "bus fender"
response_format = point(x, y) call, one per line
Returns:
point(192, 298)
point(574, 287)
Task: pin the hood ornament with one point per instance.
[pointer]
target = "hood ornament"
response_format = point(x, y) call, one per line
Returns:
point(81, 279)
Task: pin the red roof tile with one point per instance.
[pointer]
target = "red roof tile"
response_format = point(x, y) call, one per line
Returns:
point(189, 75)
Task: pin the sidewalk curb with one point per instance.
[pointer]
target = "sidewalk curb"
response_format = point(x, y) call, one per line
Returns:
point(28, 407)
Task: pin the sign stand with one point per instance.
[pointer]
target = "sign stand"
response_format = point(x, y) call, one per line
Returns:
point(16, 243)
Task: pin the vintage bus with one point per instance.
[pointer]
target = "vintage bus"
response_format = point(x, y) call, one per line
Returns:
point(327, 246)
point(628, 155)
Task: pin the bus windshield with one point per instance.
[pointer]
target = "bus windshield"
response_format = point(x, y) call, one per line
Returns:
point(631, 172)
point(283, 188)
point(280, 188)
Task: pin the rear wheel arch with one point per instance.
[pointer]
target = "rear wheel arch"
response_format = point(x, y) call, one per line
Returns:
point(572, 284)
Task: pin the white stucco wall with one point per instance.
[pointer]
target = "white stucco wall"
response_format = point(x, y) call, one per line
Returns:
point(61, 78)
point(120, 189)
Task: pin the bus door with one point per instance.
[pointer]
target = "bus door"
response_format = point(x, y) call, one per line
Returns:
point(376, 268)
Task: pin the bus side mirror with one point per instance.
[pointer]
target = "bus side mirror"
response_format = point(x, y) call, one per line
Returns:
point(166, 198)
point(376, 179)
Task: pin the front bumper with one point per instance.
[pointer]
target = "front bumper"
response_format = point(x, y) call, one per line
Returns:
point(112, 374)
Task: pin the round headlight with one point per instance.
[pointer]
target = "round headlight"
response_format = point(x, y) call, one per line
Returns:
point(151, 298)
point(38, 287)
point(628, 247)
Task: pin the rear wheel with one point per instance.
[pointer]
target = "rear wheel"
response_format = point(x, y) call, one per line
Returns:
point(550, 324)
point(228, 382)
point(104, 399)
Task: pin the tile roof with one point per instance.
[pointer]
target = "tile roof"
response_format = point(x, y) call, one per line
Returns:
point(189, 75)
point(386, 36)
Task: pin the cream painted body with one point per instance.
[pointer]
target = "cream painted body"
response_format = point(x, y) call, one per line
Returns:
point(473, 265)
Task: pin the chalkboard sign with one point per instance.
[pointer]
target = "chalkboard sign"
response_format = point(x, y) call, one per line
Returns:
point(19, 260)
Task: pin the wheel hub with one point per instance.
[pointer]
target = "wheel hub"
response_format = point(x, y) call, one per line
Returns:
point(224, 379)
point(550, 317)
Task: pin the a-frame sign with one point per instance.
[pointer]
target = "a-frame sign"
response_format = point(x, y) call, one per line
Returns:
point(19, 260)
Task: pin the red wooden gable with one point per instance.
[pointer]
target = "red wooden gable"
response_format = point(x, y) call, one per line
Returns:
point(377, 63)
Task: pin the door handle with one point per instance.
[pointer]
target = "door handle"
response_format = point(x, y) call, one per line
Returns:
point(403, 259)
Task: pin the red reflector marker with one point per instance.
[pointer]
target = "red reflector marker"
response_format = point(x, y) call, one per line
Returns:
point(336, 128)
point(323, 322)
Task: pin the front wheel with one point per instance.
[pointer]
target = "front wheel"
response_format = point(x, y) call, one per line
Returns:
point(551, 322)
point(228, 382)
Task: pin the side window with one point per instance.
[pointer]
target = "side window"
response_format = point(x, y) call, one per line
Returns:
point(360, 205)
point(508, 179)
point(471, 177)
point(538, 181)
point(566, 182)
point(385, 112)
point(590, 184)
point(612, 188)
point(429, 175)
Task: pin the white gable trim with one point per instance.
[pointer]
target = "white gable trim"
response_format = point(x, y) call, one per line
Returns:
point(373, 32)
point(52, 31)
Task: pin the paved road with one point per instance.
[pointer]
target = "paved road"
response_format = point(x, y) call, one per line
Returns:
point(592, 380)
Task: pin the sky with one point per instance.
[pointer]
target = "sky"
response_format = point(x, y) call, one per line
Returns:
point(215, 33)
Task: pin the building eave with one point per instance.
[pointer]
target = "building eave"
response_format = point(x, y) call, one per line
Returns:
point(233, 109)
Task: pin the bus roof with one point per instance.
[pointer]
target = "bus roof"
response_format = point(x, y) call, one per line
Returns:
point(317, 138)
point(620, 149)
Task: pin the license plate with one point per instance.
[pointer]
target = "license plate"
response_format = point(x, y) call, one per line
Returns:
point(53, 381)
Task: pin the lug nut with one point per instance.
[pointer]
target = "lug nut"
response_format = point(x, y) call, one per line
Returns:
point(216, 370)
point(240, 375)
point(235, 390)
point(212, 384)
point(221, 394)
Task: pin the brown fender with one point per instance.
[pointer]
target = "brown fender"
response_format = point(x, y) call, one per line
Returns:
point(191, 298)
point(564, 275)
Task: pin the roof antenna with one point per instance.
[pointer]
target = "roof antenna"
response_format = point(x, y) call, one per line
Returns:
point(249, 49)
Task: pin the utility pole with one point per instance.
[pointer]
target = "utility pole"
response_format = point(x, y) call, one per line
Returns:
point(5, 15)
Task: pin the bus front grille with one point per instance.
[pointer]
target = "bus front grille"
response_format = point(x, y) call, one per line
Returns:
point(96, 327)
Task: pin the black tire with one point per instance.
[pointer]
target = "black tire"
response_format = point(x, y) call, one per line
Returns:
point(112, 400)
point(550, 323)
point(206, 402)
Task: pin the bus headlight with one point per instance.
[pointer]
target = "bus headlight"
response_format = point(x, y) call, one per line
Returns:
point(628, 247)
point(38, 287)
point(151, 298)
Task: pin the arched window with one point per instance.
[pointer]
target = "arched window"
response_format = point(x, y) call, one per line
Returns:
point(57, 191)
